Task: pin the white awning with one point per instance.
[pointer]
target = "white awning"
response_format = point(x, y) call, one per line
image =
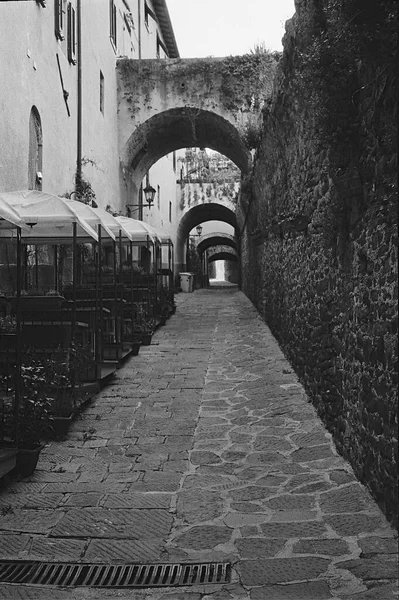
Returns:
point(137, 229)
point(90, 216)
point(47, 217)
point(112, 223)
point(9, 218)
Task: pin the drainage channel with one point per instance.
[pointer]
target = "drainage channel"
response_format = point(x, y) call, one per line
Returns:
point(114, 575)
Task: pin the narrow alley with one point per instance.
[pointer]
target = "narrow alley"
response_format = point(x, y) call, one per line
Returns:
point(203, 448)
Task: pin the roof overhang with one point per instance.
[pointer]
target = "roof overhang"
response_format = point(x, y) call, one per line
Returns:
point(162, 13)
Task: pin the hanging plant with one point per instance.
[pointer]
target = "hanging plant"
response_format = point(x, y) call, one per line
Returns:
point(83, 191)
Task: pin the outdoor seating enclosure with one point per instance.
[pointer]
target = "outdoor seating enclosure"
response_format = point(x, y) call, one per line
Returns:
point(77, 286)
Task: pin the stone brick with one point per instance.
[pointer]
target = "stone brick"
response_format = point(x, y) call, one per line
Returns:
point(311, 590)
point(281, 570)
point(113, 523)
point(312, 453)
point(327, 547)
point(57, 550)
point(294, 530)
point(249, 493)
point(258, 548)
point(377, 545)
point(271, 443)
point(11, 545)
point(313, 438)
point(137, 500)
point(378, 567)
point(380, 592)
point(287, 502)
point(203, 537)
point(344, 500)
point(348, 525)
point(117, 550)
point(31, 521)
point(196, 505)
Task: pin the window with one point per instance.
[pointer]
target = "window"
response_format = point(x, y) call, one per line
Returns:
point(71, 34)
point(159, 196)
point(59, 11)
point(35, 151)
point(148, 13)
point(101, 92)
point(161, 46)
point(170, 211)
point(174, 161)
point(112, 22)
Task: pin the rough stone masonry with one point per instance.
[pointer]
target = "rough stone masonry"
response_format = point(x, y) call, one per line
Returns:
point(318, 224)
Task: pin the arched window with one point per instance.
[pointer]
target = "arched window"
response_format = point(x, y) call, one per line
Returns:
point(35, 150)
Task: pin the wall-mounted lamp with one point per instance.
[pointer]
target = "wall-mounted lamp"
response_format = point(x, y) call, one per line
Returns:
point(149, 195)
point(199, 230)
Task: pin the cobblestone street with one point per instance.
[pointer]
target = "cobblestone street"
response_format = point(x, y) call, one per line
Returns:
point(203, 448)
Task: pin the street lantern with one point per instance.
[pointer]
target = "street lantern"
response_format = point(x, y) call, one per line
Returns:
point(149, 194)
point(199, 230)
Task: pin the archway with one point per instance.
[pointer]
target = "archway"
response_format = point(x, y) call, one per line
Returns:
point(178, 128)
point(201, 214)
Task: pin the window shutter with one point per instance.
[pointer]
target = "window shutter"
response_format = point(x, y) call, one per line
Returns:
point(71, 37)
point(112, 22)
point(115, 25)
point(69, 31)
point(59, 25)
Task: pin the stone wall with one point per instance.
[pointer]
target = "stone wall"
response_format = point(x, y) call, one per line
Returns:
point(317, 217)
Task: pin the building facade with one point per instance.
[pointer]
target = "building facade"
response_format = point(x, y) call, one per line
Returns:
point(58, 99)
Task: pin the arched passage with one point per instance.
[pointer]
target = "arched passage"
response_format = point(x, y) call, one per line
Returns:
point(223, 256)
point(178, 128)
point(196, 215)
point(216, 239)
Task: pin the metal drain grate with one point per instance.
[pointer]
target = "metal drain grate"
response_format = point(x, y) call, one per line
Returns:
point(114, 576)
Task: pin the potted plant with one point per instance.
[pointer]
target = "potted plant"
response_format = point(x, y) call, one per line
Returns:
point(143, 325)
point(34, 416)
point(128, 336)
point(36, 300)
point(8, 325)
point(61, 389)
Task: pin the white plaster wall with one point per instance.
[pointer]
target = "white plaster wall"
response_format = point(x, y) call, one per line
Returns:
point(99, 129)
point(163, 175)
point(26, 28)
point(23, 86)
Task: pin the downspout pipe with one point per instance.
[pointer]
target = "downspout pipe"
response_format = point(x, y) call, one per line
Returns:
point(139, 28)
point(79, 95)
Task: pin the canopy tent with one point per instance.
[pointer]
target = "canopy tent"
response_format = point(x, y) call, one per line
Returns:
point(139, 231)
point(9, 218)
point(164, 237)
point(47, 217)
point(112, 223)
point(90, 216)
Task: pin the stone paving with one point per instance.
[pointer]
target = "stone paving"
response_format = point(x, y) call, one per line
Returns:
point(204, 448)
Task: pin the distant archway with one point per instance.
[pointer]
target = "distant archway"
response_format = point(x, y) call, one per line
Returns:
point(223, 256)
point(196, 215)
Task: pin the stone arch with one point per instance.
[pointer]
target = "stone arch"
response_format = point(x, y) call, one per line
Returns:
point(216, 239)
point(200, 214)
point(35, 159)
point(223, 256)
point(177, 128)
